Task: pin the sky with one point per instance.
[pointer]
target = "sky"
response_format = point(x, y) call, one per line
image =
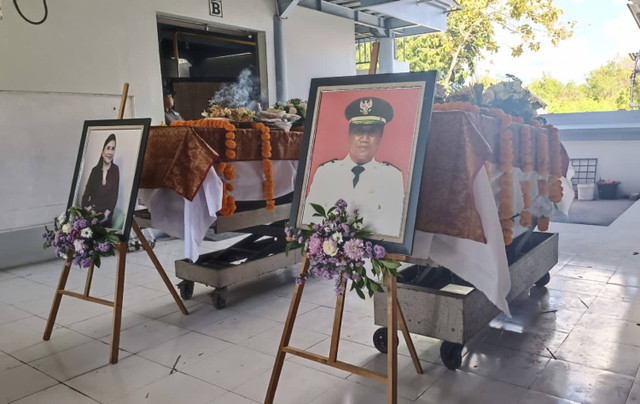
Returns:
point(604, 29)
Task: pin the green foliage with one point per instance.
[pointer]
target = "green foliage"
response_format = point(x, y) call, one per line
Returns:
point(472, 32)
point(607, 88)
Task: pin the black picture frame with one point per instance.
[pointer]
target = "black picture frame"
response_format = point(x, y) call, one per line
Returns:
point(425, 81)
point(130, 146)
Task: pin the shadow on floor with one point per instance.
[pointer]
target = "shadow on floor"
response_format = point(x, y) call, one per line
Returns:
point(601, 212)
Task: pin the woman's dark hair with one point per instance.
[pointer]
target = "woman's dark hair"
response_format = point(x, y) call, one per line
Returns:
point(109, 138)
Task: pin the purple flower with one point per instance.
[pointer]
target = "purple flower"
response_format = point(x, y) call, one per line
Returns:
point(287, 231)
point(341, 203)
point(315, 245)
point(354, 249)
point(94, 221)
point(379, 252)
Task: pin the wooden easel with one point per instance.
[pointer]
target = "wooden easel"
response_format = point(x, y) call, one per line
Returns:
point(119, 289)
point(394, 315)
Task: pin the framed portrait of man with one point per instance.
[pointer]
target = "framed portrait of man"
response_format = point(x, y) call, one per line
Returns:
point(365, 143)
point(107, 171)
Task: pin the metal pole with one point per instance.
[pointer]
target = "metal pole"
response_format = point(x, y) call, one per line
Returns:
point(280, 59)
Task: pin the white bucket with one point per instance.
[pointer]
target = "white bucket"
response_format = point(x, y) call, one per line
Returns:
point(586, 191)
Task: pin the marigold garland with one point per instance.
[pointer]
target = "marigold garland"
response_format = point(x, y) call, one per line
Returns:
point(505, 210)
point(555, 190)
point(223, 168)
point(525, 149)
point(543, 155)
point(505, 119)
point(526, 217)
point(543, 223)
point(506, 151)
point(267, 165)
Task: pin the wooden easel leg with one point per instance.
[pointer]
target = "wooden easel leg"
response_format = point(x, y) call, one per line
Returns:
point(57, 298)
point(286, 335)
point(158, 265)
point(117, 302)
point(392, 349)
point(87, 285)
point(337, 324)
point(408, 340)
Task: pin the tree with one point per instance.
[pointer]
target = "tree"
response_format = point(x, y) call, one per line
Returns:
point(472, 32)
point(607, 88)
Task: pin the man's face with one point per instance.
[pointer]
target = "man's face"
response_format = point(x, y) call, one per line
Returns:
point(364, 141)
point(168, 101)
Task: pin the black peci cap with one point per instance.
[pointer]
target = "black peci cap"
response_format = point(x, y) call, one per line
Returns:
point(368, 111)
point(166, 91)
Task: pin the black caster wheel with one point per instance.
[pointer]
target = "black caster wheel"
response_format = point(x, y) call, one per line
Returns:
point(380, 339)
point(451, 355)
point(544, 280)
point(186, 289)
point(219, 298)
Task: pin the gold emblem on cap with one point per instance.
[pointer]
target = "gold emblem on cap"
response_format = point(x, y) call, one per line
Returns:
point(365, 106)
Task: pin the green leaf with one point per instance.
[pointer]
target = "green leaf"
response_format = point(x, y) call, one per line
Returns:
point(359, 292)
point(319, 209)
point(287, 248)
point(96, 261)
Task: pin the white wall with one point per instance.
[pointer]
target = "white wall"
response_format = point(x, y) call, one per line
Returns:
point(92, 47)
point(317, 45)
point(617, 160)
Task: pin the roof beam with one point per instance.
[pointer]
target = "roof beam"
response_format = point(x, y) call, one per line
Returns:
point(285, 7)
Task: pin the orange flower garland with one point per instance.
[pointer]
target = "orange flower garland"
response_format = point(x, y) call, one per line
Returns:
point(555, 185)
point(506, 151)
point(223, 168)
point(505, 210)
point(267, 165)
point(543, 155)
point(505, 119)
point(526, 217)
point(543, 223)
point(525, 149)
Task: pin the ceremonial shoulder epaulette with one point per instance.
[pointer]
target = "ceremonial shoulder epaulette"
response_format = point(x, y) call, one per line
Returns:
point(386, 163)
point(327, 162)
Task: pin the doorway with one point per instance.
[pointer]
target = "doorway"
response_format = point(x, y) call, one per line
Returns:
point(197, 59)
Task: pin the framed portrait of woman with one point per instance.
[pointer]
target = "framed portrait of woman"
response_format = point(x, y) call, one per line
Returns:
point(107, 171)
point(365, 143)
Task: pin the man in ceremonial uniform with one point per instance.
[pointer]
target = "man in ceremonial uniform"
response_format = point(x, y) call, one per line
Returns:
point(375, 188)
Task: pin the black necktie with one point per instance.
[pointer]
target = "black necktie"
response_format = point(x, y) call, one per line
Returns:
point(356, 170)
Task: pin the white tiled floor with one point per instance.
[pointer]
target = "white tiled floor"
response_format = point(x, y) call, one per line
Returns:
point(575, 341)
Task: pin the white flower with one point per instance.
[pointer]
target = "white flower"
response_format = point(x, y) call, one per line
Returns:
point(357, 225)
point(86, 232)
point(78, 245)
point(329, 248)
point(66, 228)
point(292, 110)
point(62, 218)
point(337, 237)
point(63, 256)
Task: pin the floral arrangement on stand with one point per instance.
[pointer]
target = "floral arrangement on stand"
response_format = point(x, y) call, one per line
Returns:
point(336, 250)
point(80, 237)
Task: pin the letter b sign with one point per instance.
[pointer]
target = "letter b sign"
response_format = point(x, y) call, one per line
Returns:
point(215, 8)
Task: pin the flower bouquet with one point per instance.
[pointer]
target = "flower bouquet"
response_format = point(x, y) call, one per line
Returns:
point(81, 235)
point(336, 249)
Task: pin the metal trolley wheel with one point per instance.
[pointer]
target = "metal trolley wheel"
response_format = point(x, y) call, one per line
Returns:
point(451, 354)
point(219, 298)
point(186, 289)
point(380, 339)
point(544, 280)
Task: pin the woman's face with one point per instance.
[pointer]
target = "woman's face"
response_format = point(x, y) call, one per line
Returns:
point(108, 151)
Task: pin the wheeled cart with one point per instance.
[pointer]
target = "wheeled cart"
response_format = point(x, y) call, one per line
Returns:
point(261, 252)
point(447, 308)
